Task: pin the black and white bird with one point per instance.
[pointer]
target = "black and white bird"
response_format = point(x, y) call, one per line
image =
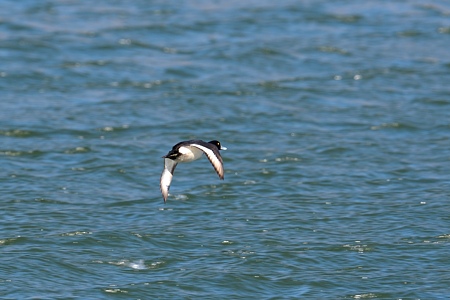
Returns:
point(188, 151)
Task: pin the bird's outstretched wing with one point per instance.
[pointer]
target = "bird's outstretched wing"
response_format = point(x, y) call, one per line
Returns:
point(213, 155)
point(166, 176)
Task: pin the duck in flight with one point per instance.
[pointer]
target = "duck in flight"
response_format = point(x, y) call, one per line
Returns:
point(188, 151)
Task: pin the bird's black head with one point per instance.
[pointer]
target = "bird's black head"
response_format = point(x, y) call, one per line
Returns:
point(217, 144)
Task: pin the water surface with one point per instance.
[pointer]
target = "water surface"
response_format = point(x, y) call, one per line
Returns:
point(335, 116)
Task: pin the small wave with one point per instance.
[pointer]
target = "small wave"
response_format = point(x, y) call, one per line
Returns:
point(77, 150)
point(136, 265)
point(139, 265)
point(20, 153)
point(16, 133)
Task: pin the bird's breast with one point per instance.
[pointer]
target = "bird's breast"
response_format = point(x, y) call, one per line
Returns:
point(189, 153)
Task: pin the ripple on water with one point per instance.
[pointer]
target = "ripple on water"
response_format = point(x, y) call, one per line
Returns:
point(20, 133)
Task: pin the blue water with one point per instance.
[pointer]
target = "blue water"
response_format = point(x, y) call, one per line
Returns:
point(336, 116)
